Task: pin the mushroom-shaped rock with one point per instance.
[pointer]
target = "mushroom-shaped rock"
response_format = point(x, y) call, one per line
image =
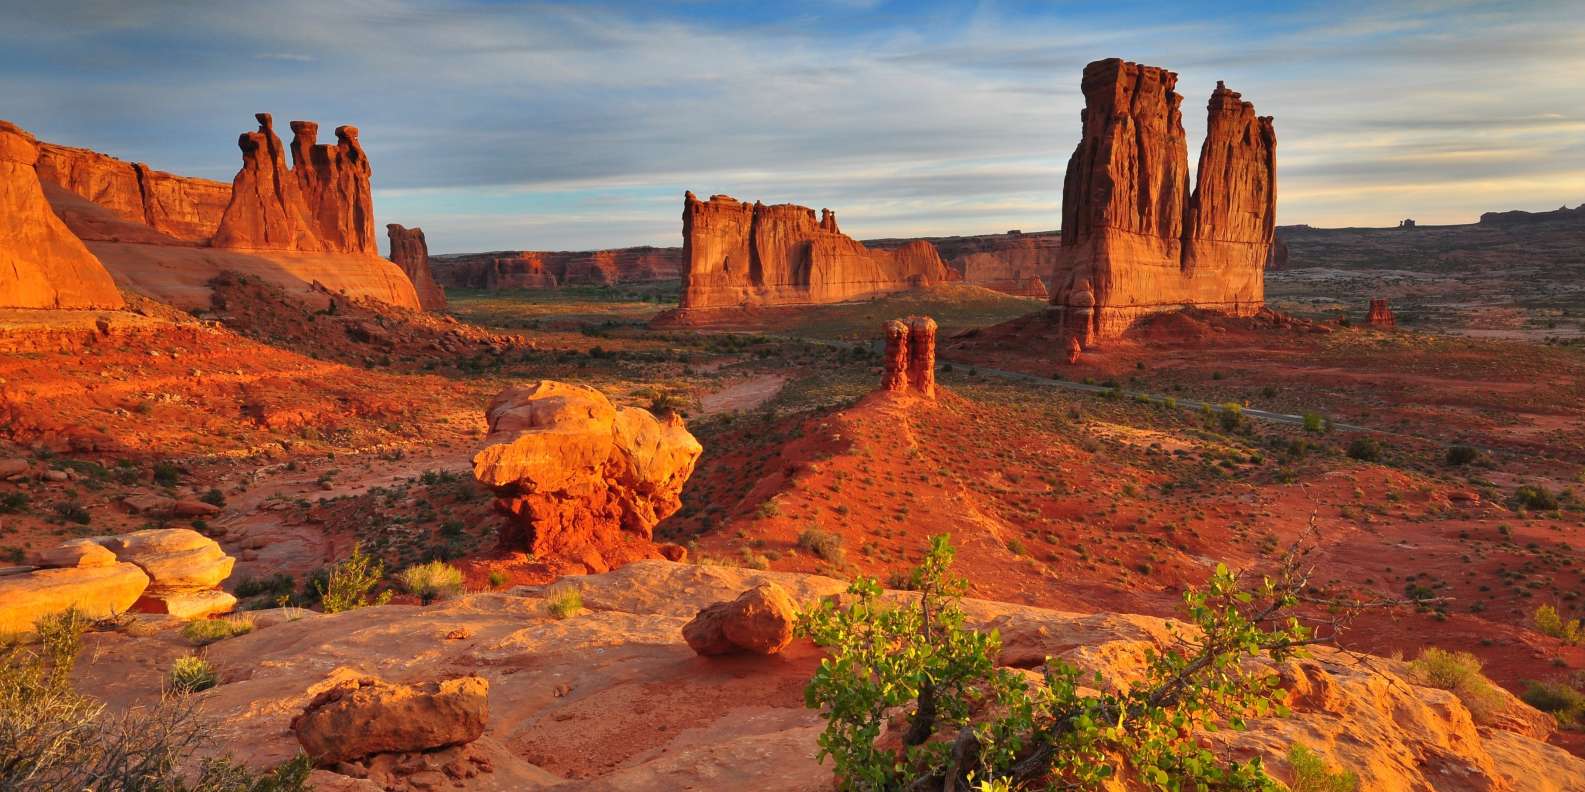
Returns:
point(760, 621)
point(365, 716)
point(584, 481)
point(99, 592)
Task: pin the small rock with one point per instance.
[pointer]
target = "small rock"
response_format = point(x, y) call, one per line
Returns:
point(760, 620)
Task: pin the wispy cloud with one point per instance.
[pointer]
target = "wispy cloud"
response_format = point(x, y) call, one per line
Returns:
point(564, 125)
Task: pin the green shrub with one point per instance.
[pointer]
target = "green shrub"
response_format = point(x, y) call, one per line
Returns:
point(823, 544)
point(202, 632)
point(1548, 622)
point(1365, 449)
point(72, 511)
point(1462, 455)
point(166, 474)
point(1559, 700)
point(214, 497)
point(431, 581)
point(919, 657)
point(351, 581)
point(190, 674)
point(563, 600)
point(1230, 416)
point(1459, 672)
point(497, 578)
point(1310, 773)
point(1313, 422)
point(13, 502)
point(1535, 497)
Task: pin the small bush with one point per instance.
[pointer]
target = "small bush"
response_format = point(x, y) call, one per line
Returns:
point(190, 674)
point(1548, 622)
point(1310, 773)
point(166, 474)
point(1535, 497)
point(1462, 455)
point(497, 578)
point(350, 583)
point(431, 581)
point(1459, 672)
point(823, 544)
point(1560, 701)
point(1365, 449)
point(1313, 422)
point(13, 502)
point(769, 509)
point(563, 600)
point(72, 511)
point(203, 632)
point(215, 498)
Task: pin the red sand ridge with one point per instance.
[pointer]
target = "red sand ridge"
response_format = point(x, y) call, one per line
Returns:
point(737, 254)
point(410, 251)
point(322, 204)
point(42, 265)
point(1134, 240)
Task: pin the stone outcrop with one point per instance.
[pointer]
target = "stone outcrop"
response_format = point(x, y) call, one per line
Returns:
point(759, 621)
point(185, 569)
point(583, 481)
point(322, 203)
point(183, 208)
point(909, 362)
point(739, 254)
point(410, 252)
point(1014, 263)
point(361, 717)
point(535, 269)
point(99, 587)
point(42, 264)
point(1380, 315)
point(1135, 240)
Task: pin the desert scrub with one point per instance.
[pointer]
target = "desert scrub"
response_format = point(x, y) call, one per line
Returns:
point(563, 600)
point(1313, 422)
point(1562, 701)
point(350, 583)
point(920, 658)
point(190, 674)
point(1461, 455)
point(823, 544)
point(432, 581)
point(1535, 498)
point(1364, 449)
point(1460, 673)
point(1311, 774)
point(1548, 622)
point(202, 632)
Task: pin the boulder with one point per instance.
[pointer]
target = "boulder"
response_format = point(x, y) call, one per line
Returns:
point(582, 480)
point(759, 621)
point(410, 251)
point(1135, 241)
point(366, 716)
point(42, 264)
point(176, 559)
point(82, 553)
point(100, 592)
point(13, 467)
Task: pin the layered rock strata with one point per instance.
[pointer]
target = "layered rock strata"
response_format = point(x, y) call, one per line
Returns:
point(183, 208)
point(582, 481)
point(1014, 263)
point(535, 269)
point(1135, 240)
point(410, 251)
point(184, 567)
point(42, 264)
point(740, 254)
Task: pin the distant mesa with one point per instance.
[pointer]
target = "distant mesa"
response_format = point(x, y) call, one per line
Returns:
point(533, 269)
point(1017, 263)
point(1562, 213)
point(410, 251)
point(42, 264)
point(737, 254)
point(1135, 240)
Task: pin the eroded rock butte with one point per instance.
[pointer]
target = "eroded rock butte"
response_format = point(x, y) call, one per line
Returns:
point(410, 251)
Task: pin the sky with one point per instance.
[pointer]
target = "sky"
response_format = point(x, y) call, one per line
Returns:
point(578, 125)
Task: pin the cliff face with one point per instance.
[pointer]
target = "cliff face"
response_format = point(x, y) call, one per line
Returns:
point(1135, 240)
point(42, 265)
point(410, 252)
point(737, 254)
point(1015, 262)
point(321, 204)
point(533, 269)
point(183, 208)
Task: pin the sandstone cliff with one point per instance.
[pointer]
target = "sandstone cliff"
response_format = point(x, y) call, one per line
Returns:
point(739, 254)
point(1015, 263)
point(410, 252)
point(1135, 240)
point(42, 265)
point(182, 208)
point(321, 204)
point(534, 269)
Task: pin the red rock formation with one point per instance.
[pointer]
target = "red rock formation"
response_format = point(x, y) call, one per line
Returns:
point(1015, 263)
point(759, 621)
point(894, 364)
point(359, 717)
point(533, 269)
point(909, 364)
point(321, 204)
point(1380, 314)
point(1135, 240)
point(183, 208)
point(737, 254)
point(584, 482)
point(1278, 258)
point(42, 265)
point(410, 252)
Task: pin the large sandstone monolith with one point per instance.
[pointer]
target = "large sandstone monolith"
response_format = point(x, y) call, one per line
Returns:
point(334, 183)
point(1380, 315)
point(1135, 241)
point(365, 716)
point(42, 264)
point(410, 251)
point(741, 254)
point(583, 481)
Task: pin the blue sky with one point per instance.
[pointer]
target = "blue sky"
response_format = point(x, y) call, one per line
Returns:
point(555, 125)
